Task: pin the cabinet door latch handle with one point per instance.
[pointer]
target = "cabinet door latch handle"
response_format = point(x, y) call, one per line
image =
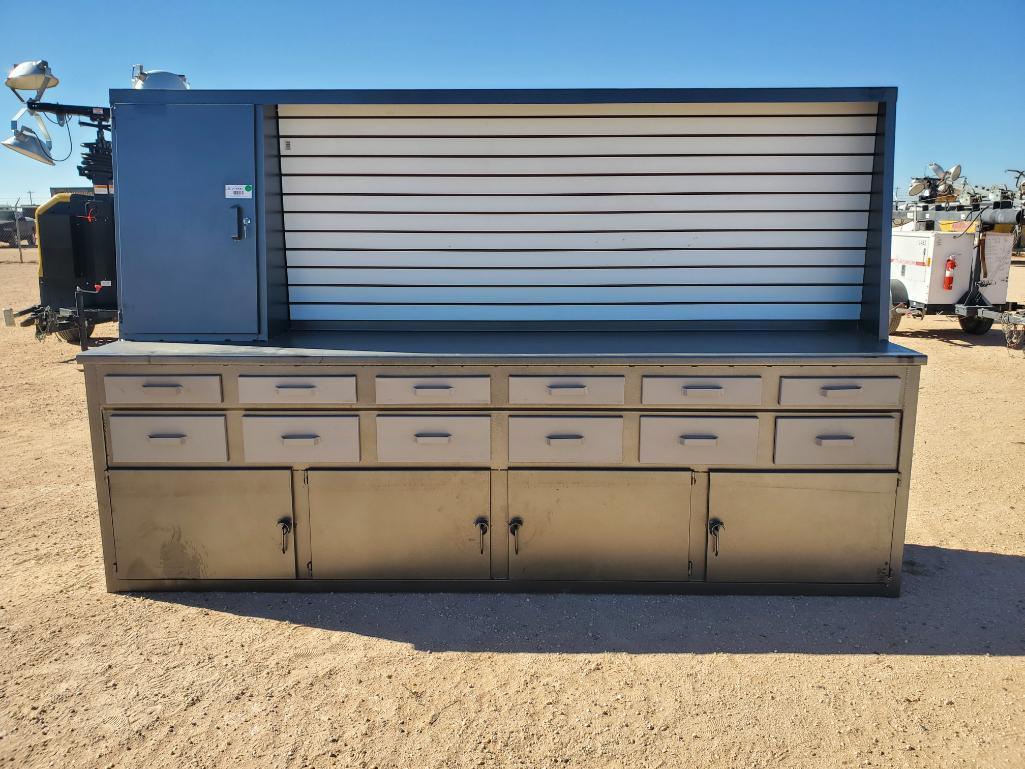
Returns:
point(715, 527)
point(514, 528)
point(482, 525)
point(285, 524)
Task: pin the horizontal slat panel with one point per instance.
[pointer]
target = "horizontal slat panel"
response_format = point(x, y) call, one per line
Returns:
point(556, 313)
point(574, 240)
point(557, 260)
point(571, 294)
point(574, 185)
point(489, 166)
point(530, 222)
point(311, 276)
point(577, 126)
point(578, 145)
point(576, 203)
point(626, 108)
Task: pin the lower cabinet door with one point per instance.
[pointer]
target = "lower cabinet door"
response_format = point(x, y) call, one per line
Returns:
point(599, 524)
point(400, 524)
point(203, 524)
point(800, 527)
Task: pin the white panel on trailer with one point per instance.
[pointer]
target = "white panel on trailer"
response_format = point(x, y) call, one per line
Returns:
point(576, 212)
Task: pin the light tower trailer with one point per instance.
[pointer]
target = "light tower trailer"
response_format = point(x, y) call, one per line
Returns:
point(954, 259)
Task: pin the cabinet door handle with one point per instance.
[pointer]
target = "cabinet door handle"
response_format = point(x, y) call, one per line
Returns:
point(177, 388)
point(297, 388)
point(242, 222)
point(715, 528)
point(167, 439)
point(515, 525)
point(699, 440)
point(482, 526)
point(564, 440)
point(709, 390)
point(438, 390)
point(300, 440)
point(432, 438)
point(834, 440)
point(285, 524)
point(568, 388)
point(839, 390)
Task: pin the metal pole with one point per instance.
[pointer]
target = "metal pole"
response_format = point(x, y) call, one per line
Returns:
point(17, 231)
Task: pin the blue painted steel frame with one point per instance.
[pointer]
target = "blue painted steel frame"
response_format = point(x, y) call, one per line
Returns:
point(875, 302)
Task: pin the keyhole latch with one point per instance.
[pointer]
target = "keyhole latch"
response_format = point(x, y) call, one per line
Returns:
point(514, 529)
point(285, 524)
point(482, 525)
point(715, 527)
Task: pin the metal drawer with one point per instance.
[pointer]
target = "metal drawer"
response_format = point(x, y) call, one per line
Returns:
point(700, 390)
point(566, 390)
point(836, 441)
point(433, 389)
point(437, 438)
point(296, 389)
point(300, 439)
point(840, 391)
point(140, 438)
point(120, 389)
point(566, 440)
point(699, 440)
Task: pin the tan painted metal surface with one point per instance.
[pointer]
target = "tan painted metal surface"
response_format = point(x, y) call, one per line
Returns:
point(699, 440)
point(837, 441)
point(412, 390)
point(562, 390)
point(292, 389)
point(300, 439)
point(701, 390)
point(161, 389)
point(599, 525)
point(437, 438)
point(841, 390)
point(800, 527)
point(566, 439)
point(143, 438)
point(202, 524)
point(404, 524)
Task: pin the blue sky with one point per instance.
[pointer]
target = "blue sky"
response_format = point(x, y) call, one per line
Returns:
point(962, 92)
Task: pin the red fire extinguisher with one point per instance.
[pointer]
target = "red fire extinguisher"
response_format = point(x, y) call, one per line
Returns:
point(948, 275)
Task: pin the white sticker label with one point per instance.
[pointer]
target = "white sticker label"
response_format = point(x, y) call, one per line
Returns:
point(238, 190)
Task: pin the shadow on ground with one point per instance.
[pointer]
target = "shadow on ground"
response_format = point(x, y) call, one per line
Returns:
point(952, 336)
point(953, 602)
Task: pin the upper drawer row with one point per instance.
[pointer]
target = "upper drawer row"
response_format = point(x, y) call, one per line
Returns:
point(534, 390)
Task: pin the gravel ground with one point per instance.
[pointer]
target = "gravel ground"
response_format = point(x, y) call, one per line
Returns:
point(935, 678)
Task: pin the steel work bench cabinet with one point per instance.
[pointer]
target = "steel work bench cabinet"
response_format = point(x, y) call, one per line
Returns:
point(513, 340)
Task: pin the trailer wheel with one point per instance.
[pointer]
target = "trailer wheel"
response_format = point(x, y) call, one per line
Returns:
point(898, 296)
point(71, 335)
point(975, 325)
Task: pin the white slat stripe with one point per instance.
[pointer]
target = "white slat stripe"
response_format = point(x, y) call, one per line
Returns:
point(579, 146)
point(477, 276)
point(556, 313)
point(490, 166)
point(541, 222)
point(576, 203)
point(577, 126)
point(639, 260)
point(572, 185)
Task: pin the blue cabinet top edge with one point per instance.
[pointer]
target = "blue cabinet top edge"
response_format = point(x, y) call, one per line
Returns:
point(505, 96)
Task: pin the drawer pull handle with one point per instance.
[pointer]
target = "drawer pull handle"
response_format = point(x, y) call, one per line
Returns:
point(834, 440)
point(709, 391)
point(437, 390)
point(564, 440)
point(567, 389)
point(482, 526)
point(839, 391)
point(515, 525)
point(285, 524)
point(167, 439)
point(432, 438)
point(715, 529)
point(300, 440)
point(165, 386)
point(699, 440)
point(298, 388)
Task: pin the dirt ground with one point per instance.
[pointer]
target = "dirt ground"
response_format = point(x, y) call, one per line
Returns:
point(935, 678)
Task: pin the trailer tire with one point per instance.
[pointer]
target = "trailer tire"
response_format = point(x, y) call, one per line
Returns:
point(898, 295)
point(71, 335)
point(975, 325)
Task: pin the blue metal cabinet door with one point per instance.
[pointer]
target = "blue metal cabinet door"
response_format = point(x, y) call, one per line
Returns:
point(183, 267)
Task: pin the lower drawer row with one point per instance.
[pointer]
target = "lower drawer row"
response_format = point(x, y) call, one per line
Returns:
point(867, 440)
point(521, 525)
